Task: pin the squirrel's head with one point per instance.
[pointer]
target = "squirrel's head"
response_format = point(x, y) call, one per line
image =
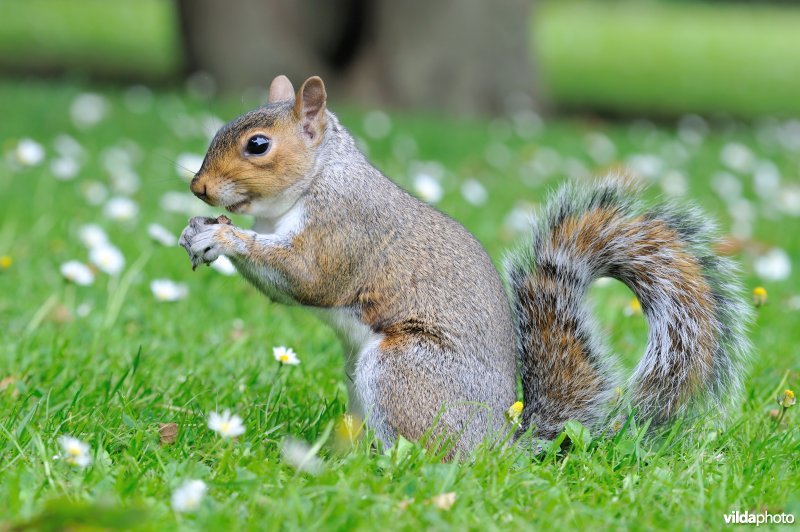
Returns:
point(256, 163)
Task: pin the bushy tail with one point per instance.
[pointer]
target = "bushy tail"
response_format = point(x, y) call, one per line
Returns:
point(691, 298)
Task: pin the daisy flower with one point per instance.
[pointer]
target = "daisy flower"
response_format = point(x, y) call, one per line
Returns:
point(285, 355)
point(787, 399)
point(759, 296)
point(94, 192)
point(29, 152)
point(88, 109)
point(428, 188)
point(474, 192)
point(377, 124)
point(189, 495)
point(75, 452)
point(514, 412)
point(167, 290)
point(121, 209)
point(161, 235)
point(226, 424)
point(224, 265)
point(107, 258)
point(634, 308)
point(774, 265)
point(92, 236)
point(64, 168)
point(301, 456)
point(77, 272)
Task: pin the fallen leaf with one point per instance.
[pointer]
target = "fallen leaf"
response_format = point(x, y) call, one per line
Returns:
point(168, 433)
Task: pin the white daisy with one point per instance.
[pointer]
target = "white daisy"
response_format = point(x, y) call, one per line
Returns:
point(77, 272)
point(301, 456)
point(692, 129)
point(161, 235)
point(674, 183)
point(184, 203)
point(727, 186)
point(520, 219)
point(167, 290)
point(377, 124)
point(92, 236)
point(774, 265)
point(125, 180)
point(428, 188)
point(189, 495)
point(474, 192)
point(600, 148)
point(138, 99)
point(646, 165)
point(107, 258)
point(95, 192)
point(224, 265)
point(226, 424)
point(88, 109)
point(29, 152)
point(119, 208)
point(68, 147)
point(498, 155)
point(64, 168)
point(75, 452)
point(789, 200)
point(737, 157)
point(285, 355)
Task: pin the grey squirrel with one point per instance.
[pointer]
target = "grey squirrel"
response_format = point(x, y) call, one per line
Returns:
point(432, 341)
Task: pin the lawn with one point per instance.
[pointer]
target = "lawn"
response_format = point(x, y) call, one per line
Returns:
point(669, 57)
point(109, 362)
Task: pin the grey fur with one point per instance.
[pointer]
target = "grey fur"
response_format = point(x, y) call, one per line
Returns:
point(549, 279)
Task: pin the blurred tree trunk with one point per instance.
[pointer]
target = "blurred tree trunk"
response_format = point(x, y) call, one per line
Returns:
point(460, 56)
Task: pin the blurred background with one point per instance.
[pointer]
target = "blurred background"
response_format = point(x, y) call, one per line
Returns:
point(655, 58)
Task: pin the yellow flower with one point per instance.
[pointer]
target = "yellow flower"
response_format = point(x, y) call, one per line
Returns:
point(759, 296)
point(787, 399)
point(634, 308)
point(5, 262)
point(348, 430)
point(514, 412)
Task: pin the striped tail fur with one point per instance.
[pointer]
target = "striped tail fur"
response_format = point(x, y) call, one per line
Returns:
point(697, 317)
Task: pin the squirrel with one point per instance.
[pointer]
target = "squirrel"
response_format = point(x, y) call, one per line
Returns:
point(433, 343)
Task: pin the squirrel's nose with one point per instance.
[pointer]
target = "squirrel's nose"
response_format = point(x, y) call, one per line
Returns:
point(198, 189)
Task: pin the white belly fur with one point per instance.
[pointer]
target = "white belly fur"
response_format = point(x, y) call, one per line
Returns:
point(356, 338)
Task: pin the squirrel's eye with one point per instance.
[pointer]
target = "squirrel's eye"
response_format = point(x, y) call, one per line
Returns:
point(257, 145)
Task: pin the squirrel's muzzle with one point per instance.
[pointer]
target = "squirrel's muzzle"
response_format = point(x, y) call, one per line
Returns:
point(199, 188)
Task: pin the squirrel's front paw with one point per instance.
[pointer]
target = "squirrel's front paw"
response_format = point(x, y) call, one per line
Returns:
point(204, 241)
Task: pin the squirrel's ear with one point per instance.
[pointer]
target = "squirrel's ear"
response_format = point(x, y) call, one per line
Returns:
point(280, 89)
point(309, 106)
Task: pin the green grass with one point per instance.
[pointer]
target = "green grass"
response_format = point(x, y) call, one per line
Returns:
point(669, 58)
point(110, 39)
point(111, 377)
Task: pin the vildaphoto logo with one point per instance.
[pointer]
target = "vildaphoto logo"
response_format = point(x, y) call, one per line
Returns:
point(749, 518)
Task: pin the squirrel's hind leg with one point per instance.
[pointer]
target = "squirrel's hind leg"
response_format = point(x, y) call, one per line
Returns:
point(404, 394)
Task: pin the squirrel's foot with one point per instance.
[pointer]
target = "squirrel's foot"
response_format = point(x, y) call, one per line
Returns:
point(205, 240)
